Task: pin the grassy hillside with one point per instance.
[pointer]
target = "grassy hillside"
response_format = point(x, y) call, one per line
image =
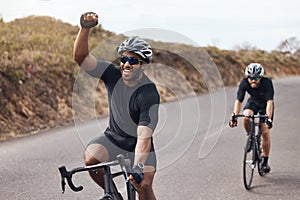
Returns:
point(37, 72)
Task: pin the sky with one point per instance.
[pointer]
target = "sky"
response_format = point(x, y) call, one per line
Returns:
point(223, 23)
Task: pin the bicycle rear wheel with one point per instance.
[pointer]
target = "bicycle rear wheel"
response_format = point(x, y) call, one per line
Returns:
point(249, 162)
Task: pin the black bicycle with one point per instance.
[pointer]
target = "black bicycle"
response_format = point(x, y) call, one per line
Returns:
point(110, 190)
point(253, 149)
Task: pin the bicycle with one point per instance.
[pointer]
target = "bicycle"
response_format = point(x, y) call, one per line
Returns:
point(110, 189)
point(253, 149)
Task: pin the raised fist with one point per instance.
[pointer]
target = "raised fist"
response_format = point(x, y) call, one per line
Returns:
point(88, 20)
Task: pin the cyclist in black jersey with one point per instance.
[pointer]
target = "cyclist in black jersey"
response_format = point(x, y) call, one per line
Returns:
point(133, 107)
point(261, 93)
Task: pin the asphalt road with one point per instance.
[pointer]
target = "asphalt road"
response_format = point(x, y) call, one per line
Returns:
point(199, 156)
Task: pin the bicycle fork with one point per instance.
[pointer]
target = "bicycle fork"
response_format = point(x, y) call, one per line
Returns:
point(253, 145)
point(256, 150)
point(110, 188)
point(253, 165)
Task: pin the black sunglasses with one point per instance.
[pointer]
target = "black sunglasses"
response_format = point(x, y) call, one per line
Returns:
point(254, 78)
point(131, 60)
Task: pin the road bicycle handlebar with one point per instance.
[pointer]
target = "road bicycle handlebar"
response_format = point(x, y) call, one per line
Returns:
point(68, 175)
point(233, 117)
point(65, 174)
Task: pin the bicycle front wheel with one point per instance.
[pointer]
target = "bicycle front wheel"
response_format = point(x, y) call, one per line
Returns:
point(249, 162)
point(259, 156)
point(107, 198)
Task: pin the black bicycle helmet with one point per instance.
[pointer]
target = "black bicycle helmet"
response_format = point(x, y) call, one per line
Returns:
point(137, 46)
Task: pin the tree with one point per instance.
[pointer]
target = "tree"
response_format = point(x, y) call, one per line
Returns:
point(290, 45)
point(245, 46)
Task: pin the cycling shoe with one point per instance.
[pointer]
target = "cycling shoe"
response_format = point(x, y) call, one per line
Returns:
point(266, 168)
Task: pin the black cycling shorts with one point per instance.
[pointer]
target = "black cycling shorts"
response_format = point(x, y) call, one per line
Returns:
point(114, 150)
point(255, 108)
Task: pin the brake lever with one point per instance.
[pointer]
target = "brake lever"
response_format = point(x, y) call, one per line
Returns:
point(126, 163)
point(132, 185)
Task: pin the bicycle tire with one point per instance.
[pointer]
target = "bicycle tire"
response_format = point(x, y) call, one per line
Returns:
point(113, 196)
point(249, 162)
point(107, 198)
point(259, 157)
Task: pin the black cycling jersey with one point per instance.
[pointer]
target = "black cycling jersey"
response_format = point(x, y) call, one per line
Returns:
point(128, 106)
point(259, 95)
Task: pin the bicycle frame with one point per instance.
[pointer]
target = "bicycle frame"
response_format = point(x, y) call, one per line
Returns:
point(110, 188)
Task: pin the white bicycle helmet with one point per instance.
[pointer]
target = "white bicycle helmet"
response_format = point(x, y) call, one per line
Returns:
point(254, 70)
point(137, 46)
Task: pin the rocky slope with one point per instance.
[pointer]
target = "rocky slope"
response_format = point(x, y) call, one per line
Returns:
point(41, 87)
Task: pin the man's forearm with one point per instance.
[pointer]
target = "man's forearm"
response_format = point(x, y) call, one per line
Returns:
point(81, 47)
point(143, 144)
point(269, 108)
point(142, 150)
point(237, 107)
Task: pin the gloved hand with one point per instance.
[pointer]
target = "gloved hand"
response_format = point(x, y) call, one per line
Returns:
point(269, 123)
point(233, 122)
point(138, 174)
point(88, 20)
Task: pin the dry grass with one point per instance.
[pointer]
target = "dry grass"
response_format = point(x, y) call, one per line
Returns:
point(37, 72)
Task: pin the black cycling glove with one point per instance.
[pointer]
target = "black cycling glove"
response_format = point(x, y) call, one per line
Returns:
point(233, 119)
point(85, 23)
point(137, 174)
point(269, 122)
